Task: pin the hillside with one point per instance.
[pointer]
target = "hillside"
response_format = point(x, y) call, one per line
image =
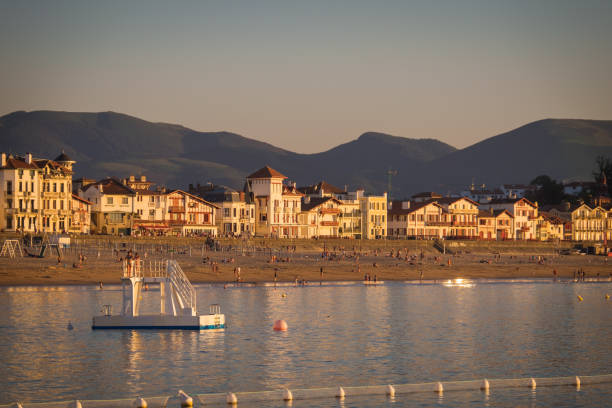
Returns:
point(560, 148)
point(113, 144)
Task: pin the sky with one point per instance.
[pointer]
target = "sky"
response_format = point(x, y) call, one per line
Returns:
point(309, 75)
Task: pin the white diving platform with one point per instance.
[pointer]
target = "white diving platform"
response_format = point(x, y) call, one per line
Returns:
point(178, 308)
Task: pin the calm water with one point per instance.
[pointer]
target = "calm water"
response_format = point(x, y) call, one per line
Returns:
point(338, 335)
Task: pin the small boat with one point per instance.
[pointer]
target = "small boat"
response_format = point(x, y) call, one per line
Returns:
point(178, 307)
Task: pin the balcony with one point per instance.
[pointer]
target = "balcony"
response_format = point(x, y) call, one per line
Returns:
point(464, 224)
point(330, 211)
point(437, 223)
point(176, 209)
point(176, 222)
point(329, 223)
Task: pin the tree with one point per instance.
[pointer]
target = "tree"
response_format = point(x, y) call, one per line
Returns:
point(548, 191)
point(603, 174)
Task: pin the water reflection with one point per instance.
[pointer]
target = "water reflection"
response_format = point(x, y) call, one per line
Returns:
point(348, 334)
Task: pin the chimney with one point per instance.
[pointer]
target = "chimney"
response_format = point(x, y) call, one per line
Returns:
point(3, 159)
point(241, 195)
point(29, 158)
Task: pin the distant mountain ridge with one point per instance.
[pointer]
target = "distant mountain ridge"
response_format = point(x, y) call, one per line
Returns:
point(114, 144)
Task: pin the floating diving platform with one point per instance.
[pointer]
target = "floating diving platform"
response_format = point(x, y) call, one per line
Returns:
point(178, 306)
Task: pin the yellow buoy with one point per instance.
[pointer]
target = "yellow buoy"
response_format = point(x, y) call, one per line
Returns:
point(607, 297)
point(580, 298)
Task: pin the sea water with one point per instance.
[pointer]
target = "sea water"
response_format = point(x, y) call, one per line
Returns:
point(339, 334)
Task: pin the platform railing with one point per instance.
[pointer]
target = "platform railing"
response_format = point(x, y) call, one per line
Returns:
point(181, 283)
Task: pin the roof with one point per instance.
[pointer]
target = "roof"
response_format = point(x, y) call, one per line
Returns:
point(200, 199)
point(63, 157)
point(414, 206)
point(76, 197)
point(323, 186)
point(266, 172)
point(511, 201)
point(317, 201)
point(19, 163)
point(291, 191)
point(146, 191)
point(493, 214)
point(552, 218)
point(515, 186)
point(111, 186)
point(450, 200)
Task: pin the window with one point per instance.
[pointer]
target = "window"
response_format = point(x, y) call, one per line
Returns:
point(109, 200)
point(61, 204)
point(226, 212)
point(62, 187)
point(20, 187)
point(32, 185)
point(115, 218)
point(124, 201)
point(31, 173)
point(9, 187)
point(54, 204)
point(55, 187)
point(152, 213)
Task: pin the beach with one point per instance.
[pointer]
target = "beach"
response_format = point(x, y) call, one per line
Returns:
point(261, 260)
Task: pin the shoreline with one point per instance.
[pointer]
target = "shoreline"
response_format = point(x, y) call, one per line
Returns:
point(264, 261)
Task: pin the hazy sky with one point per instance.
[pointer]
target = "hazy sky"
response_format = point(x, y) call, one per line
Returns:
point(308, 75)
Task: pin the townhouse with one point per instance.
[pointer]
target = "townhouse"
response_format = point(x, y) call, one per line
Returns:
point(591, 223)
point(462, 214)
point(112, 208)
point(81, 215)
point(495, 225)
point(418, 220)
point(525, 215)
point(320, 217)
point(235, 215)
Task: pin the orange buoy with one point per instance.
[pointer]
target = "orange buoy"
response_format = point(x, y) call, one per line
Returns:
point(280, 325)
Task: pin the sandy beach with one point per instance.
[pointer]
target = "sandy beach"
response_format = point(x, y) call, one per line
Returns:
point(260, 260)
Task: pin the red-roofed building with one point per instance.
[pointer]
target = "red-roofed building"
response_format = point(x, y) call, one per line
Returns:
point(419, 220)
point(277, 206)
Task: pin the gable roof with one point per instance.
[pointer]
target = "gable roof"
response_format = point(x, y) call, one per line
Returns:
point(323, 186)
point(76, 197)
point(19, 163)
point(266, 172)
point(317, 201)
point(111, 186)
point(414, 206)
point(451, 200)
point(200, 199)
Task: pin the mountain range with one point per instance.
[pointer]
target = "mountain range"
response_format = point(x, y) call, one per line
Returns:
point(113, 144)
